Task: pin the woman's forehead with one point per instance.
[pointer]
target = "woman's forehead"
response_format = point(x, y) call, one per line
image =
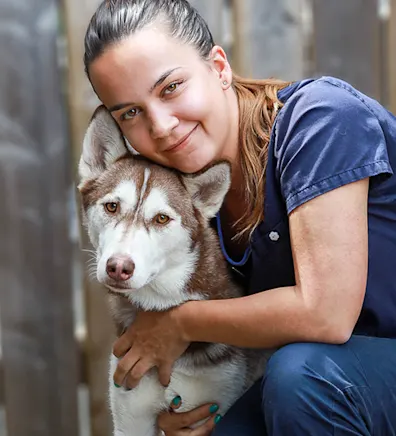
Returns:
point(146, 55)
point(149, 50)
point(140, 60)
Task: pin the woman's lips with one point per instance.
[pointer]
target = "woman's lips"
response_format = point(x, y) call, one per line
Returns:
point(182, 143)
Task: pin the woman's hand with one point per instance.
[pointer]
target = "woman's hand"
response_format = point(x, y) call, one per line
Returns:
point(153, 340)
point(178, 424)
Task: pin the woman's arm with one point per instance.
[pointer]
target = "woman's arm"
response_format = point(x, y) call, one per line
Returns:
point(329, 238)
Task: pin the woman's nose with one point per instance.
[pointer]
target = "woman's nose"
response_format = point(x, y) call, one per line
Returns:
point(162, 124)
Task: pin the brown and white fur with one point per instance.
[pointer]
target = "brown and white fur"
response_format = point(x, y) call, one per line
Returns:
point(151, 265)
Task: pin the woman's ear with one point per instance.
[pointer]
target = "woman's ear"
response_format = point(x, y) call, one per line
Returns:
point(221, 66)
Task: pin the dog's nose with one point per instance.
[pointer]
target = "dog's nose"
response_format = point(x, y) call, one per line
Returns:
point(120, 268)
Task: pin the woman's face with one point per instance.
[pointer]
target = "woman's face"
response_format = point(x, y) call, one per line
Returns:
point(172, 106)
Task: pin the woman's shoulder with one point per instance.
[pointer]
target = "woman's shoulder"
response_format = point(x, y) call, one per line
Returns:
point(326, 94)
point(326, 108)
point(327, 134)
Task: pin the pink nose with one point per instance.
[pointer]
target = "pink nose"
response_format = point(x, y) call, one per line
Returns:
point(120, 268)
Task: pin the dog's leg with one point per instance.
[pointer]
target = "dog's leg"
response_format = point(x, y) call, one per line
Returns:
point(141, 427)
point(129, 417)
point(135, 412)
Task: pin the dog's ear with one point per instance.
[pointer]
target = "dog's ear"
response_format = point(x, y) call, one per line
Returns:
point(103, 145)
point(209, 187)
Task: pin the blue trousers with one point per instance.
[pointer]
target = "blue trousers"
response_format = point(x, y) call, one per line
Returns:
point(319, 390)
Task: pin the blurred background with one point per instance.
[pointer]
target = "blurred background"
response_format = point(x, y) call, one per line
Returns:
point(55, 330)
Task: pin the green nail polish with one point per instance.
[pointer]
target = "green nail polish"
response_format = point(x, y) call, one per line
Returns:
point(213, 408)
point(176, 401)
point(217, 419)
point(116, 385)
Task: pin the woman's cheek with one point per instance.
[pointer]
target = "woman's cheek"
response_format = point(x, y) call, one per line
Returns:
point(139, 139)
point(194, 105)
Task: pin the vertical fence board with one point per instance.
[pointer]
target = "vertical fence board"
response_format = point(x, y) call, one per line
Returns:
point(39, 353)
point(384, 55)
point(392, 57)
point(213, 13)
point(347, 42)
point(268, 39)
point(100, 332)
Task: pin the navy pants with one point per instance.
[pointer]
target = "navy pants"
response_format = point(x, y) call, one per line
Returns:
point(320, 390)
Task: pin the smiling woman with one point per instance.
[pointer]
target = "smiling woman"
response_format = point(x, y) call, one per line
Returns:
point(308, 223)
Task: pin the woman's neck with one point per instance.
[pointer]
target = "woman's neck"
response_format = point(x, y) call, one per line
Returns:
point(231, 149)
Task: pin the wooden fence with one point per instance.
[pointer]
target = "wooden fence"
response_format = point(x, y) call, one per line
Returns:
point(39, 357)
point(51, 349)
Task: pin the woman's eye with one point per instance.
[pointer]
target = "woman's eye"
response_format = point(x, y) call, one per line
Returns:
point(172, 88)
point(162, 219)
point(130, 114)
point(111, 207)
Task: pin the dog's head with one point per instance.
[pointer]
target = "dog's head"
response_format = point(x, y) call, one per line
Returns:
point(144, 220)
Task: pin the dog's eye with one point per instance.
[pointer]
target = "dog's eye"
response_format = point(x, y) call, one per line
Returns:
point(162, 219)
point(111, 207)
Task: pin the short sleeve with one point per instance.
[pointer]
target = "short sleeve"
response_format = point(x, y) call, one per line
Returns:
point(326, 137)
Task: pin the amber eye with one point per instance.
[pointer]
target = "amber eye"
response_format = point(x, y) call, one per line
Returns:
point(111, 207)
point(162, 219)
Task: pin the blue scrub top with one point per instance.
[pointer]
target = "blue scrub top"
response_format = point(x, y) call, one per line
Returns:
point(326, 135)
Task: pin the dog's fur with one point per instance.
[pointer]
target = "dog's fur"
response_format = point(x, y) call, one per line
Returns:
point(172, 263)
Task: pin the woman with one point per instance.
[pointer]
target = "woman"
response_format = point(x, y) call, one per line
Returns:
point(309, 225)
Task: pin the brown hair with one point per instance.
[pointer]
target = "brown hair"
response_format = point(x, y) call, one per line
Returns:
point(258, 106)
point(115, 20)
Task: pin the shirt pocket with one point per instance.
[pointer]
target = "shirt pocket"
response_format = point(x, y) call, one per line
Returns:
point(272, 262)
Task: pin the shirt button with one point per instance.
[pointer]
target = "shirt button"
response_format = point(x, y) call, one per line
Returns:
point(274, 236)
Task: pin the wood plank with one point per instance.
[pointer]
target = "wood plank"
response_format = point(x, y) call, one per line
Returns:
point(268, 39)
point(214, 13)
point(384, 33)
point(2, 393)
point(347, 42)
point(81, 376)
point(100, 333)
point(39, 353)
point(392, 57)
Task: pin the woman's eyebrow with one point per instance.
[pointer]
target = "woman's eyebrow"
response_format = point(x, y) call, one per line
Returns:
point(162, 78)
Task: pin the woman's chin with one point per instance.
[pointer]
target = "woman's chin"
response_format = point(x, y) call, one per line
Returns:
point(191, 165)
point(190, 169)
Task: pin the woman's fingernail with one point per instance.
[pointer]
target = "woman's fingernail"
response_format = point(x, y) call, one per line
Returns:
point(116, 385)
point(176, 401)
point(217, 419)
point(213, 408)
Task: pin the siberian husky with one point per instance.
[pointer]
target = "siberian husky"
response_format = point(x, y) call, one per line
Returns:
point(155, 249)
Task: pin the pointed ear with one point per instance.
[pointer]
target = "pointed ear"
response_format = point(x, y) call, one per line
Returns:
point(208, 188)
point(103, 145)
